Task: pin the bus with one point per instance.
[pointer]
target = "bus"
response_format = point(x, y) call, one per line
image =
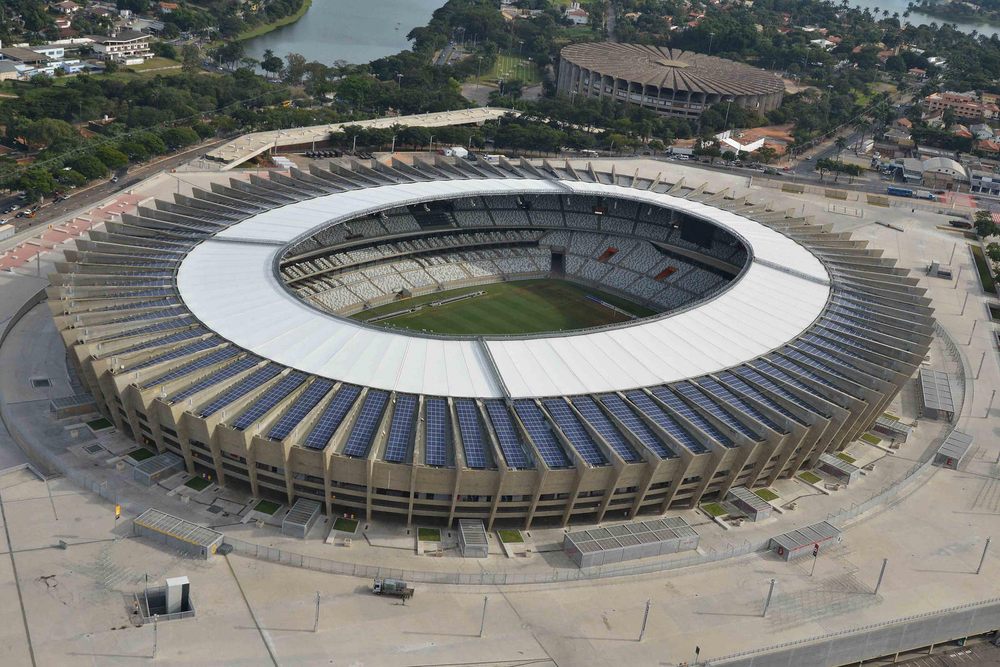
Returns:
point(899, 192)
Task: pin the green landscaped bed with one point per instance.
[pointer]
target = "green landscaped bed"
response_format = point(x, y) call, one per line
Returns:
point(809, 477)
point(345, 525)
point(266, 507)
point(871, 439)
point(429, 534)
point(846, 457)
point(140, 454)
point(200, 484)
point(510, 536)
point(983, 267)
point(715, 510)
point(766, 494)
point(99, 424)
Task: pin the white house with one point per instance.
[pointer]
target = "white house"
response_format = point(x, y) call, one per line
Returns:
point(128, 46)
point(577, 15)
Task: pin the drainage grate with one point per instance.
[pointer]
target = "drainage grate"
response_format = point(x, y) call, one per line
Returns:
point(214, 509)
point(39, 383)
point(93, 449)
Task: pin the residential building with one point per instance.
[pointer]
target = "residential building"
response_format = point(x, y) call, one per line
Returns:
point(983, 182)
point(577, 15)
point(962, 105)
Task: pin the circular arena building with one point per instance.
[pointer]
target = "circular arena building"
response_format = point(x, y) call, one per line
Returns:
point(258, 331)
point(668, 81)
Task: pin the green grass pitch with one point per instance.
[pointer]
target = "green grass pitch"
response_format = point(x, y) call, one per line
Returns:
point(521, 307)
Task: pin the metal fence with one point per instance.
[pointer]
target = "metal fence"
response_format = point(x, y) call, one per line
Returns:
point(887, 638)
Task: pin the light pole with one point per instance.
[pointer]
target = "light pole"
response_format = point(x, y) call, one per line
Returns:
point(430, 146)
point(479, 70)
point(393, 149)
point(711, 37)
point(725, 123)
point(399, 80)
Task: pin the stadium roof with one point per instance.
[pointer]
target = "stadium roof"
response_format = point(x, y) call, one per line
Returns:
point(673, 68)
point(231, 284)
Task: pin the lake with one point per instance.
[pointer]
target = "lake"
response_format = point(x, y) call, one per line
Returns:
point(357, 31)
point(917, 18)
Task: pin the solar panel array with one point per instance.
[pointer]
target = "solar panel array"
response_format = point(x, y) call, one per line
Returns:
point(241, 389)
point(665, 421)
point(438, 432)
point(178, 352)
point(360, 438)
point(473, 444)
point(209, 359)
point(221, 375)
point(333, 414)
point(401, 430)
point(727, 397)
point(538, 428)
point(751, 391)
point(789, 365)
point(818, 347)
point(575, 432)
point(274, 395)
point(680, 407)
point(636, 426)
point(511, 445)
point(600, 423)
point(706, 403)
point(309, 399)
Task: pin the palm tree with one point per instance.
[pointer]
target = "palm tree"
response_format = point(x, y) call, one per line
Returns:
point(841, 144)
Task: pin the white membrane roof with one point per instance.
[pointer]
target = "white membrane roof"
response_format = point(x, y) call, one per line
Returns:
point(229, 283)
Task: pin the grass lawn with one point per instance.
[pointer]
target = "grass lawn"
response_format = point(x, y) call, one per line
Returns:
point(871, 439)
point(714, 509)
point(429, 534)
point(766, 494)
point(846, 457)
point(809, 477)
point(140, 454)
point(510, 536)
point(267, 507)
point(890, 415)
point(99, 424)
point(510, 66)
point(200, 484)
point(520, 307)
point(346, 525)
point(983, 267)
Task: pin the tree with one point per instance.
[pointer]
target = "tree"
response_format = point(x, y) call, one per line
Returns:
point(47, 131)
point(36, 183)
point(179, 137)
point(985, 226)
point(89, 166)
point(111, 157)
point(841, 144)
point(190, 58)
point(993, 252)
point(765, 154)
point(271, 63)
point(229, 53)
point(295, 68)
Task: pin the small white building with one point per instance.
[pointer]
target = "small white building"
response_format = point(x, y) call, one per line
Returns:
point(577, 15)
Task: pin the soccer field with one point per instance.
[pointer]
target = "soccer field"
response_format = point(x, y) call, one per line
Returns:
point(522, 307)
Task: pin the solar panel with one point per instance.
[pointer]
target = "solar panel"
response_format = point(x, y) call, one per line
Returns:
point(507, 435)
point(438, 433)
point(795, 355)
point(360, 438)
point(215, 378)
point(756, 394)
point(600, 423)
point(308, 400)
point(473, 444)
point(165, 340)
point(792, 367)
point(672, 401)
point(333, 414)
point(401, 430)
point(178, 352)
point(635, 425)
point(821, 348)
point(575, 432)
point(271, 398)
point(691, 392)
point(244, 387)
point(665, 421)
point(538, 428)
point(723, 394)
point(167, 325)
point(204, 362)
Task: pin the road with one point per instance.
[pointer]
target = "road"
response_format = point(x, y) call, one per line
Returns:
point(95, 193)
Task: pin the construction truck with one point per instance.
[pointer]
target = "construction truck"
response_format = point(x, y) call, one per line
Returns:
point(392, 587)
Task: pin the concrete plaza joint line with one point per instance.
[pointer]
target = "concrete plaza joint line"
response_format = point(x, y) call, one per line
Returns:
point(72, 598)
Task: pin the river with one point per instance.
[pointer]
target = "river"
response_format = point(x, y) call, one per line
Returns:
point(357, 31)
point(918, 18)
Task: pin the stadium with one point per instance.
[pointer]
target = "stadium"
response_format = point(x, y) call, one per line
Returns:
point(668, 81)
point(512, 342)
